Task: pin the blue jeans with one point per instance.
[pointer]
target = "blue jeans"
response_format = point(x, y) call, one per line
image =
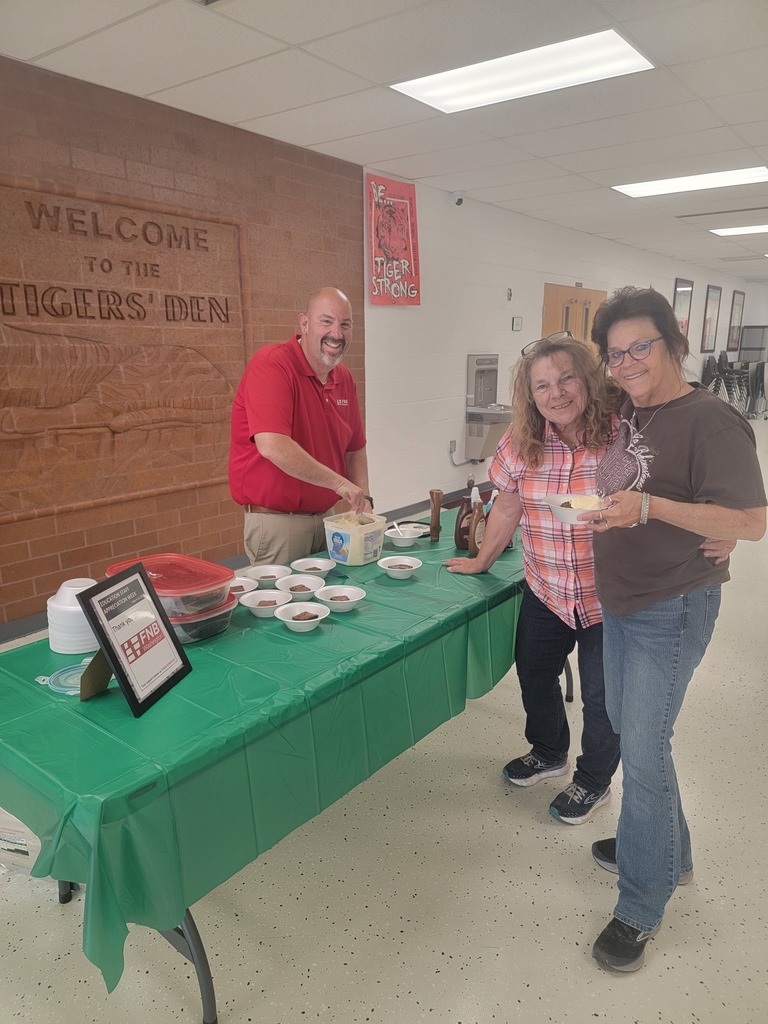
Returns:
point(542, 644)
point(650, 657)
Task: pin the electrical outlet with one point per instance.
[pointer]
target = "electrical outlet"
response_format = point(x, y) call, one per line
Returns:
point(451, 447)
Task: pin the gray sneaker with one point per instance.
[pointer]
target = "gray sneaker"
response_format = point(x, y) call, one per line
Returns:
point(621, 947)
point(576, 804)
point(529, 769)
point(604, 853)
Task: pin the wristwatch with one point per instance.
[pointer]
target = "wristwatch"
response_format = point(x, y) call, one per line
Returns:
point(369, 498)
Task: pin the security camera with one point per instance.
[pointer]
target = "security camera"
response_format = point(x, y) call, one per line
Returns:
point(458, 198)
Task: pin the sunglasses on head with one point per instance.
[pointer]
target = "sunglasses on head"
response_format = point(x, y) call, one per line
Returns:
point(558, 336)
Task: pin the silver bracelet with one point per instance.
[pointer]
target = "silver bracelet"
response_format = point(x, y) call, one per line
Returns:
point(644, 507)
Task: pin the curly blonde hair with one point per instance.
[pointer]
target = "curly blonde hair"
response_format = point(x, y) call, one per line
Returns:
point(528, 425)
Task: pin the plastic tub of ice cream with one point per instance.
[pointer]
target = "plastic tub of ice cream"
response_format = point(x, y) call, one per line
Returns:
point(354, 539)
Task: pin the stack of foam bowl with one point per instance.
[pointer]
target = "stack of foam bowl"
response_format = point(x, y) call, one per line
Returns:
point(69, 631)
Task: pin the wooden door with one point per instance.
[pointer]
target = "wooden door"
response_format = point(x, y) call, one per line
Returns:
point(569, 309)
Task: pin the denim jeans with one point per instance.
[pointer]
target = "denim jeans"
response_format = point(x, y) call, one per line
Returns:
point(650, 657)
point(542, 644)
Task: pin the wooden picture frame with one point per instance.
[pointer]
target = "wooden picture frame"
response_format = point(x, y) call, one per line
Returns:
point(682, 298)
point(711, 316)
point(734, 324)
point(135, 636)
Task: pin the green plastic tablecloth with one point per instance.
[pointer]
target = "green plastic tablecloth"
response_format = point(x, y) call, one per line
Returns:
point(268, 729)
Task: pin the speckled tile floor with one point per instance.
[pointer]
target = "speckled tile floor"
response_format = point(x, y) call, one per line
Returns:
point(435, 892)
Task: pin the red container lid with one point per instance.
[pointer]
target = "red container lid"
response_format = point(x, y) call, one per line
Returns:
point(171, 574)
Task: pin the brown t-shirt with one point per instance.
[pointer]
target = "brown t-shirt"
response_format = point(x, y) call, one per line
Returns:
point(696, 449)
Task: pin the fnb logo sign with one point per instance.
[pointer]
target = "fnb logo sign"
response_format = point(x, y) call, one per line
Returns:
point(142, 642)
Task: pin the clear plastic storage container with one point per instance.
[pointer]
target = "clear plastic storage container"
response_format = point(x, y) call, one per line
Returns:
point(185, 585)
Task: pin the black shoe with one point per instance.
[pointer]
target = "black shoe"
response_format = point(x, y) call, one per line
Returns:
point(576, 804)
point(528, 770)
point(622, 947)
point(604, 853)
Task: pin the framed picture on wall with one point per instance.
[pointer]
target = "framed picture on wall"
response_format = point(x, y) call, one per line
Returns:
point(734, 326)
point(681, 303)
point(711, 316)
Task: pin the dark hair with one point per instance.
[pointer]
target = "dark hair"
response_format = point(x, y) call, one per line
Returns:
point(528, 424)
point(629, 304)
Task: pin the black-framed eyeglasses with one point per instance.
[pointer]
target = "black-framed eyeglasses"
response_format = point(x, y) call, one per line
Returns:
point(558, 336)
point(639, 351)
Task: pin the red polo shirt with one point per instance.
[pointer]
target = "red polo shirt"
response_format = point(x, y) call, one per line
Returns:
point(280, 394)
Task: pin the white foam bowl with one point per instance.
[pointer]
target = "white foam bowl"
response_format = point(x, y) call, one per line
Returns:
point(313, 566)
point(311, 585)
point(391, 566)
point(328, 595)
point(287, 615)
point(423, 528)
point(266, 575)
point(66, 595)
point(243, 585)
point(568, 515)
point(406, 539)
point(256, 604)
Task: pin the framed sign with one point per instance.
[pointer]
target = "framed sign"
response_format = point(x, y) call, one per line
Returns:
point(135, 637)
point(734, 325)
point(681, 303)
point(711, 316)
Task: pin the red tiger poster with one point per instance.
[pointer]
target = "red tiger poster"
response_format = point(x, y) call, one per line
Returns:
point(393, 243)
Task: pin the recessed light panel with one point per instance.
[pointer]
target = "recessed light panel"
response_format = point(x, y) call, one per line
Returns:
point(694, 182)
point(754, 229)
point(556, 66)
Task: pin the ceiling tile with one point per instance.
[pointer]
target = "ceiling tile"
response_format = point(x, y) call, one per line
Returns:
point(627, 157)
point(710, 30)
point(627, 128)
point(449, 34)
point(394, 143)
point(34, 27)
point(280, 81)
point(315, 20)
point(368, 111)
point(461, 160)
point(727, 74)
point(173, 43)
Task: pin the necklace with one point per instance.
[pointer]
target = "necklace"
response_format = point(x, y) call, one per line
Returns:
point(636, 423)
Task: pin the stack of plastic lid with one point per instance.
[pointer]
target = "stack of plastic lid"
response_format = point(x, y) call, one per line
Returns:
point(69, 631)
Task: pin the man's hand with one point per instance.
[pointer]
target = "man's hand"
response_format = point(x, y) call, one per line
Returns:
point(350, 492)
point(717, 550)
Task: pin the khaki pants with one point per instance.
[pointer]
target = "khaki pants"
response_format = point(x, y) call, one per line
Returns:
point(280, 539)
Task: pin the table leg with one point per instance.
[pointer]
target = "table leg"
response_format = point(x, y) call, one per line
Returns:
point(186, 939)
point(65, 891)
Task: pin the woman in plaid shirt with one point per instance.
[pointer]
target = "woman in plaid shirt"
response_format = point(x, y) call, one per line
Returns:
point(564, 418)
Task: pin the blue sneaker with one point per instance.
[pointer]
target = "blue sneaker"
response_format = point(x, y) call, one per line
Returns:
point(576, 804)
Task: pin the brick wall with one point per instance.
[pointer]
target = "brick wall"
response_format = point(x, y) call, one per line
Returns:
point(100, 463)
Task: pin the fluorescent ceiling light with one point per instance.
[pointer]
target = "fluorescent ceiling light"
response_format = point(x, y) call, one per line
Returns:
point(557, 66)
point(755, 229)
point(694, 182)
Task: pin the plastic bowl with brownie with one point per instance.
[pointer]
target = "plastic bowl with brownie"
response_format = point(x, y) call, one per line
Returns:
point(264, 603)
point(302, 616)
point(340, 598)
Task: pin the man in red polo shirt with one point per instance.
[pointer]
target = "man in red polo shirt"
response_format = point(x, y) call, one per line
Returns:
point(298, 443)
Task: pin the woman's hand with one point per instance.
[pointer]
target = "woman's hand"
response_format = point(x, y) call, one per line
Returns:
point(468, 566)
point(621, 509)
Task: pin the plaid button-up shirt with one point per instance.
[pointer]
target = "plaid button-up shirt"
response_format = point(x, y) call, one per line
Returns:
point(557, 558)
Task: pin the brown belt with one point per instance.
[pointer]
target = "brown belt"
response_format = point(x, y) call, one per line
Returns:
point(261, 510)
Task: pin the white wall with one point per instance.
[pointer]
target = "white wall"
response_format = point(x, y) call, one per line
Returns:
point(470, 255)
